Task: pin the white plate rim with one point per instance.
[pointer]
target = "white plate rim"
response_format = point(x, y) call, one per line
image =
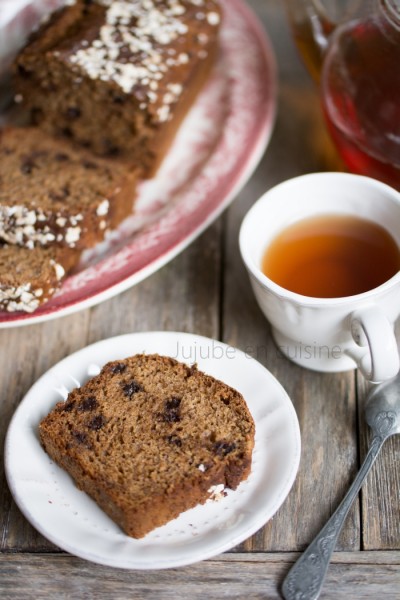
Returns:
point(149, 342)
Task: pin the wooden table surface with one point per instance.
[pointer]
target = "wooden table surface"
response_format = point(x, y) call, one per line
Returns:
point(205, 290)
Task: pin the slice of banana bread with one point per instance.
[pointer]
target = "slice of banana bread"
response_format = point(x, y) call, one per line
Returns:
point(52, 193)
point(118, 77)
point(149, 437)
point(29, 278)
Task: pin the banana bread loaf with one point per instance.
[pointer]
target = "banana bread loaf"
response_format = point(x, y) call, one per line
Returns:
point(52, 193)
point(118, 77)
point(29, 278)
point(149, 437)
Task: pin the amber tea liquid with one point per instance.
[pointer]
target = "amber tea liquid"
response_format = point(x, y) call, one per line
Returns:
point(331, 256)
point(360, 88)
point(360, 97)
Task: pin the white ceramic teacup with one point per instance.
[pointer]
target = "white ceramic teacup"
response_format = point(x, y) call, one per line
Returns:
point(327, 334)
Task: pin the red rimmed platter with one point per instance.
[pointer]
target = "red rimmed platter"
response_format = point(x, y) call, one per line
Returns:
point(217, 149)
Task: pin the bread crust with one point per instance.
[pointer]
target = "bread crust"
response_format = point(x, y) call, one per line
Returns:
point(119, 77)
point(149, 437)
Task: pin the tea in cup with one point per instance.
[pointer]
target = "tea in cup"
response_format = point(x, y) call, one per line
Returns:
point(323, 255)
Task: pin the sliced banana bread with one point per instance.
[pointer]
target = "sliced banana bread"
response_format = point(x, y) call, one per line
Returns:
point(29, 278)
point(149, 437)
point(52, 193)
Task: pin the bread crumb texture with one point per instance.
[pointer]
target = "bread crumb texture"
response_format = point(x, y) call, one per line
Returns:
point(150, 437)
point(29, 278)
point(53, 194)
point(118, 77)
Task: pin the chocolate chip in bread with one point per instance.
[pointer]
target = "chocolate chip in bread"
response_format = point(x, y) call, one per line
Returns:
point(54, 194)
point(150, 437)
point(118, 77)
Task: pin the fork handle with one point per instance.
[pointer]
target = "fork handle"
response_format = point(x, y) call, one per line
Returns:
point(305, 579)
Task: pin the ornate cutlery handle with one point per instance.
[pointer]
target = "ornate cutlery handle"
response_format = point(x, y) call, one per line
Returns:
point(304, 580)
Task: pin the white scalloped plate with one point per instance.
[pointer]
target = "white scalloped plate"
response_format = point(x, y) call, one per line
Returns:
point(216, 150)
point(48, 498)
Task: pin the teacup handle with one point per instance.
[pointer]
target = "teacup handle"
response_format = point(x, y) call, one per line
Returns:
point(376, 353)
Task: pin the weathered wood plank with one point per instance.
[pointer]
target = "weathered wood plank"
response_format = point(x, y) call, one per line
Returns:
point(175, 298)
point(255, 577)
point(380, 495)
point(186, 295)
point(182, 296)
point(25, 354)
point(325, 403)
